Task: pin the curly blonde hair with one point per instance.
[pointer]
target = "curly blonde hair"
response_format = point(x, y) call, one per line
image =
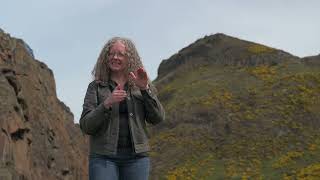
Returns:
point(101, 71)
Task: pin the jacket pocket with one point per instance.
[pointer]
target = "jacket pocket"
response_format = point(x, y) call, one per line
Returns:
point(103, 129)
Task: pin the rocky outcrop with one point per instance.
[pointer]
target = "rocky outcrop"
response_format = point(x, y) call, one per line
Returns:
point(224, 50)
point(312, 60)
point(38, 138)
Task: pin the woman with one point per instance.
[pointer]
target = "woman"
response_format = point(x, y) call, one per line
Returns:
point(117, 105)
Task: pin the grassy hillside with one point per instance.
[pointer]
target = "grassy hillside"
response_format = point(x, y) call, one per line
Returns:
point(239, 122)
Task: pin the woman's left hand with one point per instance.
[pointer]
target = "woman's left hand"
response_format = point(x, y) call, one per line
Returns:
point(140, 78)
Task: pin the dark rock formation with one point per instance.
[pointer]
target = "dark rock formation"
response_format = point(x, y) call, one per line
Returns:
point(312, 60)
point(224, 50)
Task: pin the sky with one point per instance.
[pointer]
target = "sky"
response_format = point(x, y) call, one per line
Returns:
point(68, 35)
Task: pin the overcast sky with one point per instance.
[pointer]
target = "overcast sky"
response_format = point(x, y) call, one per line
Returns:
point(68, 35)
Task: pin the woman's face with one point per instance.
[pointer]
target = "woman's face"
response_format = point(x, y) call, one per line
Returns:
point(118, 61)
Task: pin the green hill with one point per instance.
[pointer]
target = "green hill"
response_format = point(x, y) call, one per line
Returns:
point(237, 110)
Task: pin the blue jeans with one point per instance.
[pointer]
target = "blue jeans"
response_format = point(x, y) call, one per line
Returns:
point(118, 167)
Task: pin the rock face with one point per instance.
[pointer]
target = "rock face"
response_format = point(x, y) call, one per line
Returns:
point(38, 138)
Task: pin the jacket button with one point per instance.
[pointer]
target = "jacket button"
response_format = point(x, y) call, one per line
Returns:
point(131, 114)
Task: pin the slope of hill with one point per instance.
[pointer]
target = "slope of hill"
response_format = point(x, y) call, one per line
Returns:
point(237, 109)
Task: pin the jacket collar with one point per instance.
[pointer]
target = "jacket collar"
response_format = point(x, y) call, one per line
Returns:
point(111, 84)
point(103, 83)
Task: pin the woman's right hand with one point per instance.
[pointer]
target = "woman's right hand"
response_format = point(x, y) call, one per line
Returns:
point(117, 96)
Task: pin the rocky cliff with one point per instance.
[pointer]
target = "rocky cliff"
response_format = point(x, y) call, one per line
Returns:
point(38, 138)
